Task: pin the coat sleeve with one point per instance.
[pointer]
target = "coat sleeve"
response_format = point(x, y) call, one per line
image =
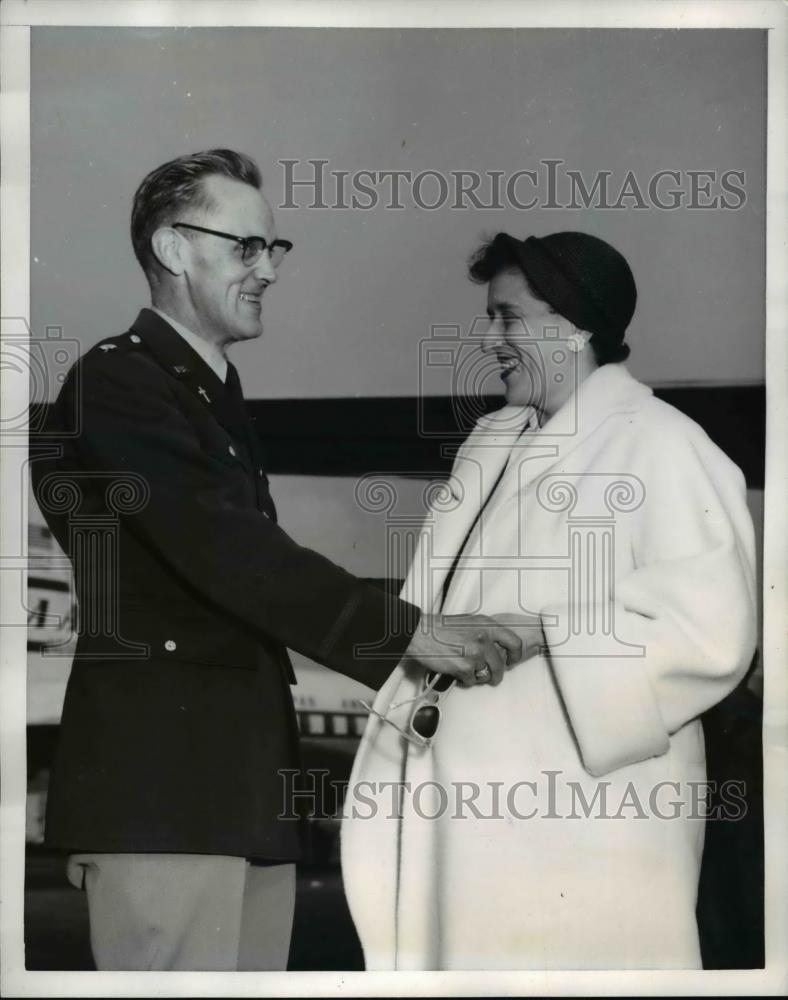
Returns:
point(198, 521)
point(687, 610)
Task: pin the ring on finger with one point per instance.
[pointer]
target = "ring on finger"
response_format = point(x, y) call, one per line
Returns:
point(482, 673)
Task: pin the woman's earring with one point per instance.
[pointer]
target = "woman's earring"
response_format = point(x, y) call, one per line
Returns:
point(577, 341)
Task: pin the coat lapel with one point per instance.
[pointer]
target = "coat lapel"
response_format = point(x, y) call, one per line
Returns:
point(184, 363)
point(608, 390)
point(511, 434)
point(477, 466)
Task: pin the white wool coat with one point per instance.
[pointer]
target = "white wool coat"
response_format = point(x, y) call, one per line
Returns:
point(557, 820)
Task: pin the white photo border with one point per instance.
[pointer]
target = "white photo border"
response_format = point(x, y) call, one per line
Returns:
point(17, 17)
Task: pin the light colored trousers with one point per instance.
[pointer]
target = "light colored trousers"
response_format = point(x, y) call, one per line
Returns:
point(186, 911)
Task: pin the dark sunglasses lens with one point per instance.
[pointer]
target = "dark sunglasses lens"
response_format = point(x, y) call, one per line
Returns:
point(425, 721)
point(438, 682)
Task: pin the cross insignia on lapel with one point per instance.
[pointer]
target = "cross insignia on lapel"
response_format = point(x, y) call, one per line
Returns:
point(107, 347)
point(204, 394)
point(180, 369)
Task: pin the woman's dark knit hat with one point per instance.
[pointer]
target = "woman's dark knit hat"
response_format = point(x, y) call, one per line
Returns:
point(580, 276)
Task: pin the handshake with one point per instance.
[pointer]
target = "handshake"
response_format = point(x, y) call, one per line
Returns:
point(475, 649)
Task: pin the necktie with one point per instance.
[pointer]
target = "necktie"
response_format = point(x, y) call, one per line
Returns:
point(236, 407)
point(232, 387)
point(234, 399)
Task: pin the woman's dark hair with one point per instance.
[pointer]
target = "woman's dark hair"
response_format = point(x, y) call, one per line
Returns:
point(578, 276)
point(177, 185)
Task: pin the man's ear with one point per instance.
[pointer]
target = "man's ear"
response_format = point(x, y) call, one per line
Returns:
point(168, 246)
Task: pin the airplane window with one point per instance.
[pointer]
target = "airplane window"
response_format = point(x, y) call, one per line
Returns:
point(316, 724)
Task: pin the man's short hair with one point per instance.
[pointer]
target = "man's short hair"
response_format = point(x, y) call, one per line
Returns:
point(177, 185)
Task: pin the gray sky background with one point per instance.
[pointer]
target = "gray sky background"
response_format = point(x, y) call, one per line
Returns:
point(362, 288)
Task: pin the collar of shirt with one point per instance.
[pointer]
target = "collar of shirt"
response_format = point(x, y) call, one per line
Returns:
point(211, 355)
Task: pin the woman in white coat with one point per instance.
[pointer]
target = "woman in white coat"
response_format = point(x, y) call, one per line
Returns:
point(555, 821)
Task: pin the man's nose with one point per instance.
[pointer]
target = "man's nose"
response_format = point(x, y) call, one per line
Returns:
point(264, 268)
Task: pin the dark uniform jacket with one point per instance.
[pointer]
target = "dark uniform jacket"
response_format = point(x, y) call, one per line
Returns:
point(178, 717)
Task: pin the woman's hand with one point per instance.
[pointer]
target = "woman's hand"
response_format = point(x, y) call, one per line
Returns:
point(474, 649)
point(528, 628)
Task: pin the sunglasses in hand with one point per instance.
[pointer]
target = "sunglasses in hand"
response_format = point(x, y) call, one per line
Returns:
point(425, 717)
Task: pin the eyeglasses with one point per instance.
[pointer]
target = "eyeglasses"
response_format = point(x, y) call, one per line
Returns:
point(252, 247)
point(425, 718)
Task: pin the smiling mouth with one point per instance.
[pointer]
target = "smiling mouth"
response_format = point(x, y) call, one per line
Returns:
point(509, 366)
point(254, 297)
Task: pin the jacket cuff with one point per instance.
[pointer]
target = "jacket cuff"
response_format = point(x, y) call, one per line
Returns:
point(370, 635)
point(609, 699)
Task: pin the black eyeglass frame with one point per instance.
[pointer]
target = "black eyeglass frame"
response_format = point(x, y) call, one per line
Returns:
point(245, 242)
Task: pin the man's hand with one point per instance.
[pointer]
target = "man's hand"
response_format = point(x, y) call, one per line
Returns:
point(473, 648)
point(527, 627)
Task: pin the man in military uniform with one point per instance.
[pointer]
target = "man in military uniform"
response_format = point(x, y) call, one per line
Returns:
point(178, 718)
